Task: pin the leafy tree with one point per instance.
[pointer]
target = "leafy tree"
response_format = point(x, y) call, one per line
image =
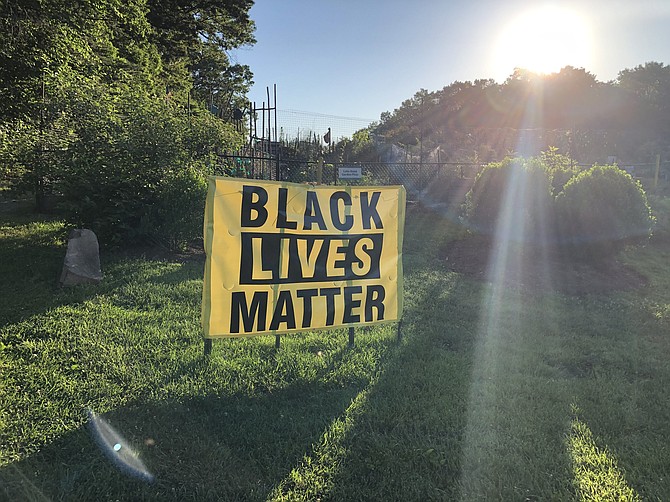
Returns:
point(648, 86)
point(217, 82)
point(95, 95)
point(51, 51)
point(196, 34)
point(528, 113)
point(180, 25)
point(650, 82)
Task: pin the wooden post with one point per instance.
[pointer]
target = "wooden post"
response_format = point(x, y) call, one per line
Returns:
point(208, 346)
point(658, 169)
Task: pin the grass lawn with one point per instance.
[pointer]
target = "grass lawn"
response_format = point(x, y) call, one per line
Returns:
point(495, 392)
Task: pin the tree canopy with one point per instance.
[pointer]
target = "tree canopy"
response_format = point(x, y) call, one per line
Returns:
point(587, 119)
point(109, 100)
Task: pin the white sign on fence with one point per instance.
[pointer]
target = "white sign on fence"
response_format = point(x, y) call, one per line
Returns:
point(349, 173)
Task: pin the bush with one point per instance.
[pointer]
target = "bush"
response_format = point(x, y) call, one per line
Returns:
point(603, 205)
point(130, 168)
point(515, 193)
point(596, 211)
point(179, 211)
point(561, 169)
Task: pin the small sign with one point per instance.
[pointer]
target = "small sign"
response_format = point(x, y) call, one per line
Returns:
point(349, 173)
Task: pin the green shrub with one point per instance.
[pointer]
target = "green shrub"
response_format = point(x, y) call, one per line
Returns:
point(130, 167)
point(180, 208)
point(603, 205)
point(515, 193)
point(561, 169)
point(595, 213)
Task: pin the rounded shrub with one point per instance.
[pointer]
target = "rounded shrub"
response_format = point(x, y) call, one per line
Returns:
point(513, 195)
point(603, 205)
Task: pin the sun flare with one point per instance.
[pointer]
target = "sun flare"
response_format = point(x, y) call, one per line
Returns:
point(543, 40)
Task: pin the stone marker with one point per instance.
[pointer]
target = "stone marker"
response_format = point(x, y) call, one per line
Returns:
point(82, 260)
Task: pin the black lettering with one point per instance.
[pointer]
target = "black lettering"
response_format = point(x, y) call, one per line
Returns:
point(313, 213)
point(249, 205)
point(307, 295)
point(284, 312)
point(374, 298)
point(369, 210)
point(330, 294)
point(348, 222)
point(259, 305)
point(267, 261)
point(350, 304)
point(282, 216)
point(286, 258)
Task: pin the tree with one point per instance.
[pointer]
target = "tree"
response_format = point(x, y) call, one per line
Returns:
point(180, 25)
point(93, 93)
point(217, 82)
point(51, 52)
point(649, 86)
point(528, 113)
point(650, 82)
point(195, 34)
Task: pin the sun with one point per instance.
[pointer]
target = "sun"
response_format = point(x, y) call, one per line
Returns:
point(542, 40)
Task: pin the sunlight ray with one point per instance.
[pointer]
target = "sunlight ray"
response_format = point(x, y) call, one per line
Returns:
point(596, 473)
point(501, 306)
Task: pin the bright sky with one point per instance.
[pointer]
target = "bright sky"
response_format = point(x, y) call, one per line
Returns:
point(359, 58)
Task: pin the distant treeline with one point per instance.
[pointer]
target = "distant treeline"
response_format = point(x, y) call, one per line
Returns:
point(483, 121)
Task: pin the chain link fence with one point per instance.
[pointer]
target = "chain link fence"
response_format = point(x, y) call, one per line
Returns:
point(431, 182)
point(414, 176)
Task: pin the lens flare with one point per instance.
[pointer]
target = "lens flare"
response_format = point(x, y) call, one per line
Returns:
point(117, 449)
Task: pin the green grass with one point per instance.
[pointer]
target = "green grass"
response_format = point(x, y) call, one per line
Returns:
point(492, 394)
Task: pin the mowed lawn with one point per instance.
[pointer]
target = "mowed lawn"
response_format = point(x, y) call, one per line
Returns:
point(494, 392)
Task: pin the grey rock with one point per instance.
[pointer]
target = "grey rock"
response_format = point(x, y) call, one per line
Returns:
point(82, 260)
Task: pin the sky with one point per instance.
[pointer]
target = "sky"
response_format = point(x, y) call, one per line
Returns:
point(360, 58)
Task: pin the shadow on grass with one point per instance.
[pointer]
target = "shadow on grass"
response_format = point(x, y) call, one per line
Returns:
point(31, 257)
point(401, 439)
point(200, 448)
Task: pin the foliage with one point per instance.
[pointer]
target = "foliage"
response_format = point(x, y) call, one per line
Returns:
point(514, 188)
point(178, 213)
point(130, 157)
point(603, 205)
point(217, 82)
point(95, 102)
point(531, 201)
point(561, 168)
point(586, 119)
point(360, 148)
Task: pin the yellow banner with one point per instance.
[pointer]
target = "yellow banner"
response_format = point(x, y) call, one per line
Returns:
point(285, 257)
